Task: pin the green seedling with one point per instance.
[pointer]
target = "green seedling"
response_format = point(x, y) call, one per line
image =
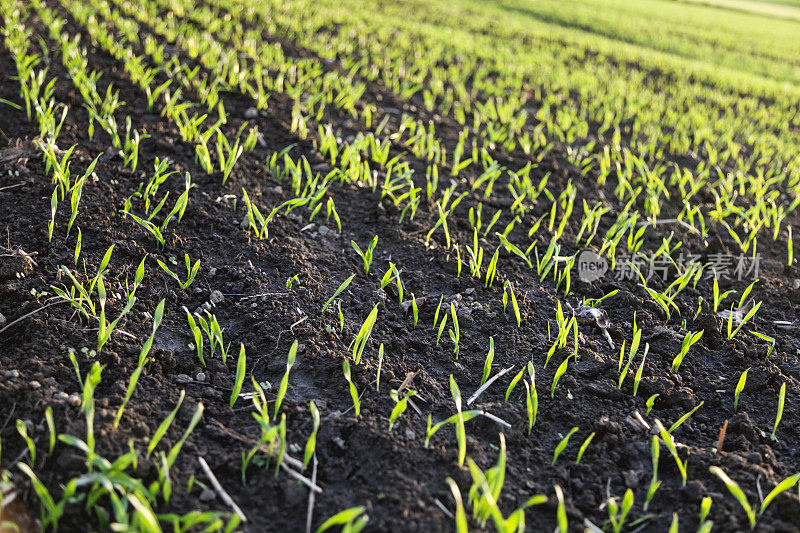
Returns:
point(311, 443)
point(106, 328)
point(719, 298)
point(674, 526)
point(770, 340)
point(683, 419)
point(239, 379)
point(22, 429)
point(269, 432)
point(650, 402)
point(705, 507)
point(487, 364)
point(460, 515)
point(51, 427)
point(670, 444)
point(583, 447)
point(353, 520)
point(737, 492)
point(143, 354)
point(227, 155)
point(638, 377)
point(436, 313)
point(562, 525)
point(380, 365)
point(742, 321)
point(366, 255)
point(353, 391)
point(78, 242)
point(781, 487)
point(191, 271)
point(87, 402)
point(739, 388)
point(618, 513)
point(486, 490)
point(338, 291)
point(360, 342)
point(512, 385)
point(393, 274)
point(198, 336)
point(531, 398)
point(150, 228)
point(779, 414)
point(509, 289)
point(176, 448)
point(560, 371)
point(562, 444)
point(453, 419)
point(455, 333)
point(164, 426)
point(491, 270)
point(655, 452)
point(689, 339)
point(400, 406)
point(285, 380)
point(461, 434)
point(213, 331)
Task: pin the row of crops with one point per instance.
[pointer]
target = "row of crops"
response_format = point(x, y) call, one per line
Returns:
point(421, 265)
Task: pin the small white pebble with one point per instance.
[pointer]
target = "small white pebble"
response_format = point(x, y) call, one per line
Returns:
point(217, 297)
point(61, 397)
point(200, 376)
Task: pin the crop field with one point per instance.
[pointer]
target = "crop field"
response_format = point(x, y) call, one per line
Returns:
point(424, 265)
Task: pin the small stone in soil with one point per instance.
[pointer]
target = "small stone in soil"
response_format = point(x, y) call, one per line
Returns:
point(183, 378)
point(61, 397)
point(217, 297)
point(200, 376)
point(208, 495)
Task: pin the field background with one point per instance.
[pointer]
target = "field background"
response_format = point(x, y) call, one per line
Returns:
point(374, 209)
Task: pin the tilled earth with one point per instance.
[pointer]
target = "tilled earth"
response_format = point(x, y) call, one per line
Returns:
point(243, 281)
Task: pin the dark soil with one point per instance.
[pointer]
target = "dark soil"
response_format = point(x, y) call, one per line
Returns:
point(361, 462)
